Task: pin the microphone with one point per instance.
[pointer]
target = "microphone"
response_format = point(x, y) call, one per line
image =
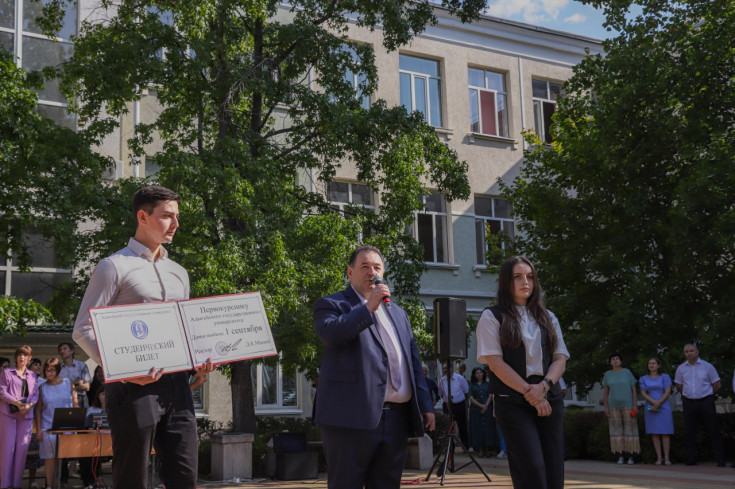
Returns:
point(378, 281)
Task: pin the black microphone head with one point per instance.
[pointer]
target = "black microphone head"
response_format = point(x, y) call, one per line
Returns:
point(379, 281)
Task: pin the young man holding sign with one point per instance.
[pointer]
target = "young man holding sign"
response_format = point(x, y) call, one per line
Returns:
point(155, 410)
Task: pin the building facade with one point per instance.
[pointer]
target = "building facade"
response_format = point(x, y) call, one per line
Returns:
point(480, 85)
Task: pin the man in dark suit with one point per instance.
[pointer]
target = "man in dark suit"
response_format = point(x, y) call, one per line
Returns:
point(372, 394)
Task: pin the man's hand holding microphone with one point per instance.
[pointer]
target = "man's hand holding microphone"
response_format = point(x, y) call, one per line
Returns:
point(380, 294)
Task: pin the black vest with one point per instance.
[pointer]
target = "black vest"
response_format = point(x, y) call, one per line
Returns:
point(516, 358)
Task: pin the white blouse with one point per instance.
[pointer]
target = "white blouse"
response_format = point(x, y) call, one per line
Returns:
point(488, 340)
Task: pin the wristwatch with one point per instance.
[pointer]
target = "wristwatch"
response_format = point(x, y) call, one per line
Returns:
point(549, 382)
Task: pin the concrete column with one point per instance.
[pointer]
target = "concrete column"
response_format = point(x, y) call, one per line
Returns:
point(232, 456)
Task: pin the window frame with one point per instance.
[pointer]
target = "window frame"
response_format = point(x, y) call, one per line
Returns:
point(444, 215)
point(485, 222)
point(572, 399)
point(413, 75)
point(505, 133)
point(19, 34)
point(538, 109)
point(342, 207)
point(8, 269)
point(355, 79)
point(278, 408)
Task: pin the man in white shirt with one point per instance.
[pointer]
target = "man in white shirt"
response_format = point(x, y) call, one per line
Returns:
point(77, 372)
point(457, 405)
point(698, 383)
point(156, 410)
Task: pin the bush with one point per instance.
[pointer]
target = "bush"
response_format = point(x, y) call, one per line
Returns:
point(268, 426)
point(587, 436)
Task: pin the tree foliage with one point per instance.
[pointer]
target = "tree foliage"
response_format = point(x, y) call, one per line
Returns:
point(630, 213)
point(50, 180)
point(254, 109)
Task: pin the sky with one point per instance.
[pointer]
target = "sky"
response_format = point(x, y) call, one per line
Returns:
point(564, 15)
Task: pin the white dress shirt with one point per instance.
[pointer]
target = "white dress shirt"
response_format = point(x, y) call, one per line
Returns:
point(459, 388)
point(403, 394)
point(696, 379)
point(130, 276)
point(488, 340)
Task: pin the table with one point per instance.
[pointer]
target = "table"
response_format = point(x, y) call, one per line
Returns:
point(81, 444)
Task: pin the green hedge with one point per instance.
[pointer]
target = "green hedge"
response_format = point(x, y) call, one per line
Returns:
point(587, 437)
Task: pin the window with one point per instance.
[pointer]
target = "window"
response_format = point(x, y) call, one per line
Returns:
point(342, 195)
point(421, 87)
point(356, 79)
point(151, 167)
point(275, 390)
point(166, 18)
point(488, 103)
point(43, 278)
point(21, 36)
point(545, 94)
point(198, 397)
point(571, 396)
point(431, 228)
point(498, 215)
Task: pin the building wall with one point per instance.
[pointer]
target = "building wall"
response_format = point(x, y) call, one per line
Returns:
point(521, 52)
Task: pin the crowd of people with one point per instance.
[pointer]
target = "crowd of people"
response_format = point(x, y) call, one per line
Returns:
point(696, 380)
point(30, 392)
point(471, 406)
point(372, 393)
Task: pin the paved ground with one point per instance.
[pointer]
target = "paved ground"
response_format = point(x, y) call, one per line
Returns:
point(580, 474)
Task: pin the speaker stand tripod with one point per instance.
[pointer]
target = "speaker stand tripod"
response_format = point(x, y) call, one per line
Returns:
point(450, 440)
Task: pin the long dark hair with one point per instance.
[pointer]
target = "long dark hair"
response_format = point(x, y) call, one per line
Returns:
point(510, 328)
point(472, 376)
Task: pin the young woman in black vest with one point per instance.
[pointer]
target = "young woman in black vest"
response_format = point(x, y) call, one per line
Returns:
point(521, 342)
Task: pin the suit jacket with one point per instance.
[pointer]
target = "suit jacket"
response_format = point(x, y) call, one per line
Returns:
point(11, 387)
point(354, 371)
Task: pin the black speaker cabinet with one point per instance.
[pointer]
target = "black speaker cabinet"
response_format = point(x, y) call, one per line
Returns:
point(450, 327)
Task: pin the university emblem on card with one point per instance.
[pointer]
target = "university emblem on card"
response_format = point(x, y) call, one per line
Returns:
point(139, 329)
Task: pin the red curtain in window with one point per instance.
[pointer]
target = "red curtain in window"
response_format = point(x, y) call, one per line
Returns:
point(487, 104)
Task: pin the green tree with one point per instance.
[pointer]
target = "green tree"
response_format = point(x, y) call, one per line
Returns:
point(630, 212)
point(245, 135)
point(50, 182)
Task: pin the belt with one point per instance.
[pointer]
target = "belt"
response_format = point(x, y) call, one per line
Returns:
point(705, 398)
point(394, 405)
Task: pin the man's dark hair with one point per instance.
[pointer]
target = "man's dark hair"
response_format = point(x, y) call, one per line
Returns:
point(4, 360)
point(149, 197)
point(364, 249)
point(35, 361)
point(67, 343)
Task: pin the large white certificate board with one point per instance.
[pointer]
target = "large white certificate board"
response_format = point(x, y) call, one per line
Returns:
point(176, 336)
point(227, 328)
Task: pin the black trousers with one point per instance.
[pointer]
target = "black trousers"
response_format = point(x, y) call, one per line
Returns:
point(459, 411)
point(160, 414)
point(373, 459)
point(535, 444)
point(703, 411)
